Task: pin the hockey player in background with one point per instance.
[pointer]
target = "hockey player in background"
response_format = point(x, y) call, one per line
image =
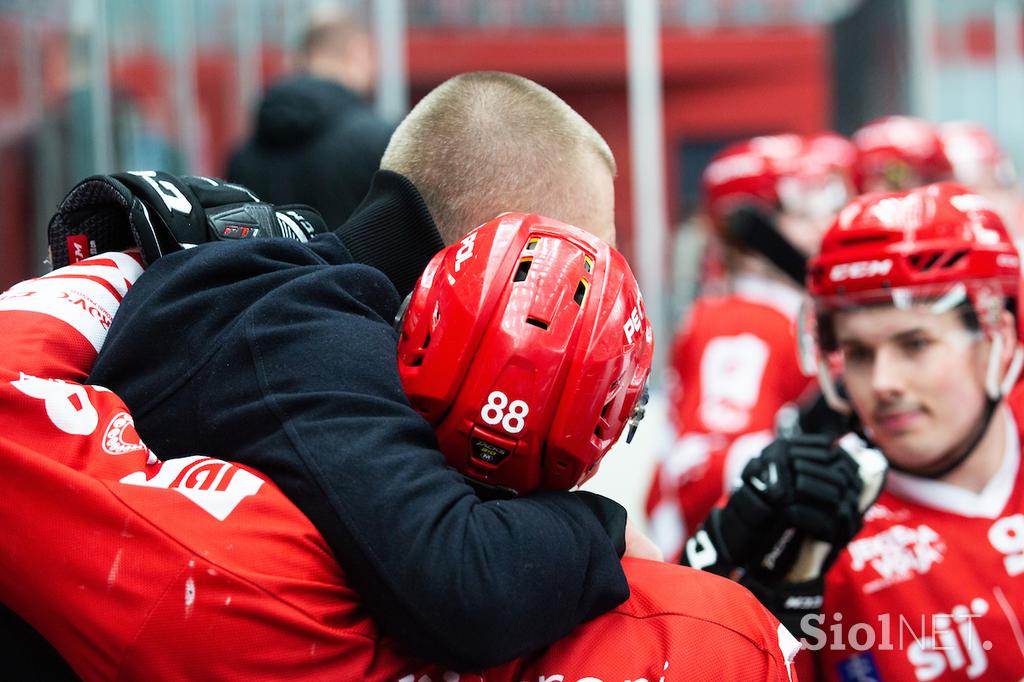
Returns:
point(915, 300)
point(525, 346)
point(769, 200)
point(981, 164)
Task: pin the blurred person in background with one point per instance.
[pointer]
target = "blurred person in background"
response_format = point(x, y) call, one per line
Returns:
point(316, 139)
point(916, 303)
point(900, 152)
point(733, 365)
point(981, 164)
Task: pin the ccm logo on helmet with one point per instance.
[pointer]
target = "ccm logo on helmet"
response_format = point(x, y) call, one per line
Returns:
point(860, 270)
point(634, 323)
point(465, 250)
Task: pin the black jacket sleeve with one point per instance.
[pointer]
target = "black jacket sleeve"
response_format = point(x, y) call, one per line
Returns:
point(292, 370)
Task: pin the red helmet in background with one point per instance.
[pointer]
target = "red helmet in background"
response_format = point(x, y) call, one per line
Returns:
point(527, 347)
point(899, 152)
point(939, 244)
point(747, 174)
point(775, 195)
point(977, 158)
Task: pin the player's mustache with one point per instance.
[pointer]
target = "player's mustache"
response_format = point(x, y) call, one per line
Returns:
point(892, 408)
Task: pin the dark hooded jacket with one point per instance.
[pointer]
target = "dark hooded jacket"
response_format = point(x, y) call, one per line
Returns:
point(282, 356)
point(315, 142)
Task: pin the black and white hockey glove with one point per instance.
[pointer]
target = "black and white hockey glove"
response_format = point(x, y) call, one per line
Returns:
point(799, 504)
point(161, 213)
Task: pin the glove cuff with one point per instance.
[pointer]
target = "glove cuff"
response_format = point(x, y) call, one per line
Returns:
point(92, 218)
point(791, 603)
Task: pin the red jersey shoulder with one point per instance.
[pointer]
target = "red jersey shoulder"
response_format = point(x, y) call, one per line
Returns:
point(677, 624)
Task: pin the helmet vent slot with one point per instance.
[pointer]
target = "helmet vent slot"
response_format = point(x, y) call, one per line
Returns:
point(864, 239)
point(602, 421)
point(537, 323)
point(588, 264)
point(523, 270)
point(928, 264)
point(426, 341)
point(581, 292)
point(922, 262)
point(532, 244)
point(955, 258)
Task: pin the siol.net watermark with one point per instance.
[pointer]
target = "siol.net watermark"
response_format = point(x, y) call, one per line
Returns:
point(932, 642)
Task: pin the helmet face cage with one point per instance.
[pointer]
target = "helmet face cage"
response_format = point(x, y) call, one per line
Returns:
point(937, 248)
point(526, 346)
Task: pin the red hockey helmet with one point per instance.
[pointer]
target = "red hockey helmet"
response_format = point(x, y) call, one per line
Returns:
point(527, 347)
point(977, 158)
point(900, 152)
point(747, 174)
point(775, 195)
point(939, 244)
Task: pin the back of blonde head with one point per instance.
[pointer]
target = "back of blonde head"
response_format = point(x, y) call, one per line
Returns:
point(486, 142)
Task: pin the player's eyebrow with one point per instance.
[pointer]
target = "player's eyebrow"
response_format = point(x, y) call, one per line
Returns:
point(904, 335)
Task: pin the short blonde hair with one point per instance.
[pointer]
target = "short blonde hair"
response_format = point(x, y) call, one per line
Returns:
point(486, 142)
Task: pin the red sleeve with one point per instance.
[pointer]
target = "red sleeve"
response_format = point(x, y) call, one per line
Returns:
point(133, 568)
point(677, 624)
point(54, 325)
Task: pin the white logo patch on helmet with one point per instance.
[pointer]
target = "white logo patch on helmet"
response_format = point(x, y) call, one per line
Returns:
point(465, 250)
point(860, 270)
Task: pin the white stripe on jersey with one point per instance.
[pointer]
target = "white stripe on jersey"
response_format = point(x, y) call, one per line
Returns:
point(83, 303)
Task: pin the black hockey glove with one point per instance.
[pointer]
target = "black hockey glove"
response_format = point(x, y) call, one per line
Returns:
point(800, 502)
point(161, 213)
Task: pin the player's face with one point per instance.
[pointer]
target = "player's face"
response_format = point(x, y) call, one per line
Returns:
point(915, 378)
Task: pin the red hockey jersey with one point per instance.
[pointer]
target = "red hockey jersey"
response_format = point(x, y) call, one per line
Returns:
point(734, 365)
point(933, 587)
point(198, 568)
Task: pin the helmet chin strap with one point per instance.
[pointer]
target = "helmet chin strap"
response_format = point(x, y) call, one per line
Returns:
point(995, 389)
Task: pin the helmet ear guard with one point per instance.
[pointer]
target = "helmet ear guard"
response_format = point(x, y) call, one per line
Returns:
point(995, 386)
point(813, 362)
point(526, 346)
